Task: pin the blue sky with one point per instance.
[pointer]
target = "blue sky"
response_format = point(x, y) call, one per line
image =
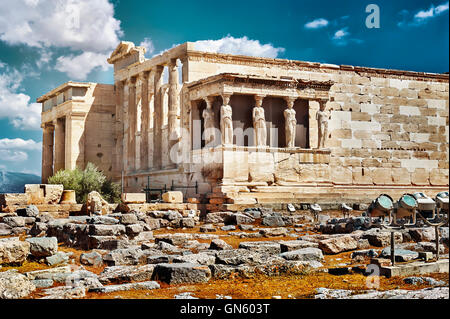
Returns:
point(44, 43)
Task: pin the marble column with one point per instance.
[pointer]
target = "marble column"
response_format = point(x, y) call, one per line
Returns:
point(173, 102)
point(314, 107)
point(75, 141)
point(139, 94)
point(145, 123)
point(125, 125)
point(158, 120)
point(131, 156)
point(59, 156)
point(118, 149)
point(47, 151)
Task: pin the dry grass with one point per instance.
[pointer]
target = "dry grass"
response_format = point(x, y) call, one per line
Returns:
point(263, 287)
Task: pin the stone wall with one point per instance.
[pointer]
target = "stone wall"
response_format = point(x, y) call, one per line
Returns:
point(386, 127)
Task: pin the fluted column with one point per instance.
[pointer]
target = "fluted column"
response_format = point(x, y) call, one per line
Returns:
point(125, 124)
point(47, 151)
point(131, 156)
point(139, 94)
point(118, 149)
point(59, 148)
point(173, 104)
point(158, 120)
point(145, 123)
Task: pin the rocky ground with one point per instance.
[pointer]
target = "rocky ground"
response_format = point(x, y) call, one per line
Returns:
point(257, 253)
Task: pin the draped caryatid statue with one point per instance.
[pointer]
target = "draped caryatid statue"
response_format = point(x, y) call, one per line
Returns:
point(259, 122)
point(226, 122)
point(290, 123)
point(322, 117)
point(208, 118)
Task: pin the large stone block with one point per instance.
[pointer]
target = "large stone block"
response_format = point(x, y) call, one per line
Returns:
point(420, 176)
point(13, 199)
point(341, 175)
point(14, 285)
point(133, 198)
point(338, 244)
point(362, 176)
point(381, 238)
point(173, 197)
point(106, 230)
point(35, 193)
point(401, 176)
point(382, 176)
point(304, 254)
point(181, 273)
point(261, 167)
point(43, 246)
point(53, 193)
point(439, 177)
point(13, 250)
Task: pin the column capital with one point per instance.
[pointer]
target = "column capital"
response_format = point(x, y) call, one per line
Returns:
point(226, 97)
point(259, 99)
point(130, 81)
point(48, 126)
point(56, 121)
point(209, 101)
point(173, 63)
point(290, 100)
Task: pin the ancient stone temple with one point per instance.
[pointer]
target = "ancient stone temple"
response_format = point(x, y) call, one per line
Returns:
point(253, 130)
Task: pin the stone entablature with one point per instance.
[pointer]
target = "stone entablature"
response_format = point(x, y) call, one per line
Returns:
point(338, 126)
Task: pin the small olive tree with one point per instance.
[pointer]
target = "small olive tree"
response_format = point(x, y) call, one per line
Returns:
point(85, 181)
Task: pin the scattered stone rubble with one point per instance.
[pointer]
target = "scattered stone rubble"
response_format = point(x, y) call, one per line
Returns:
point(136, 258)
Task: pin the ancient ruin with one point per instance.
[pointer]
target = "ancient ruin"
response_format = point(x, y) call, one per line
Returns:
point(291, 175)
point(253, 130)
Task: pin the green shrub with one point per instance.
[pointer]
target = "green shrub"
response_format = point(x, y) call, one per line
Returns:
point(86, 181)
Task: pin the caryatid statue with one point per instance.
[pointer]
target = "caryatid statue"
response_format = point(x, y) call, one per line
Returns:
point(259, 122)
point(208, 117)
point(290, 123)
point(322, 117)
point(226, 122)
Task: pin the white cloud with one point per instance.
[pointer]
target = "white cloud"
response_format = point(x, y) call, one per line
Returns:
point(15, 106)
point(423, 16)
point(441, 8)
point(45, 58)
point(431, 12)
point(316, 24)
point(239, 46)
point(19, 144)
point(15, 150)
point(13, 156)
point(78, 67)
point(87, 25)
point(341, 34)
point(342, 38)
point(148, 45)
